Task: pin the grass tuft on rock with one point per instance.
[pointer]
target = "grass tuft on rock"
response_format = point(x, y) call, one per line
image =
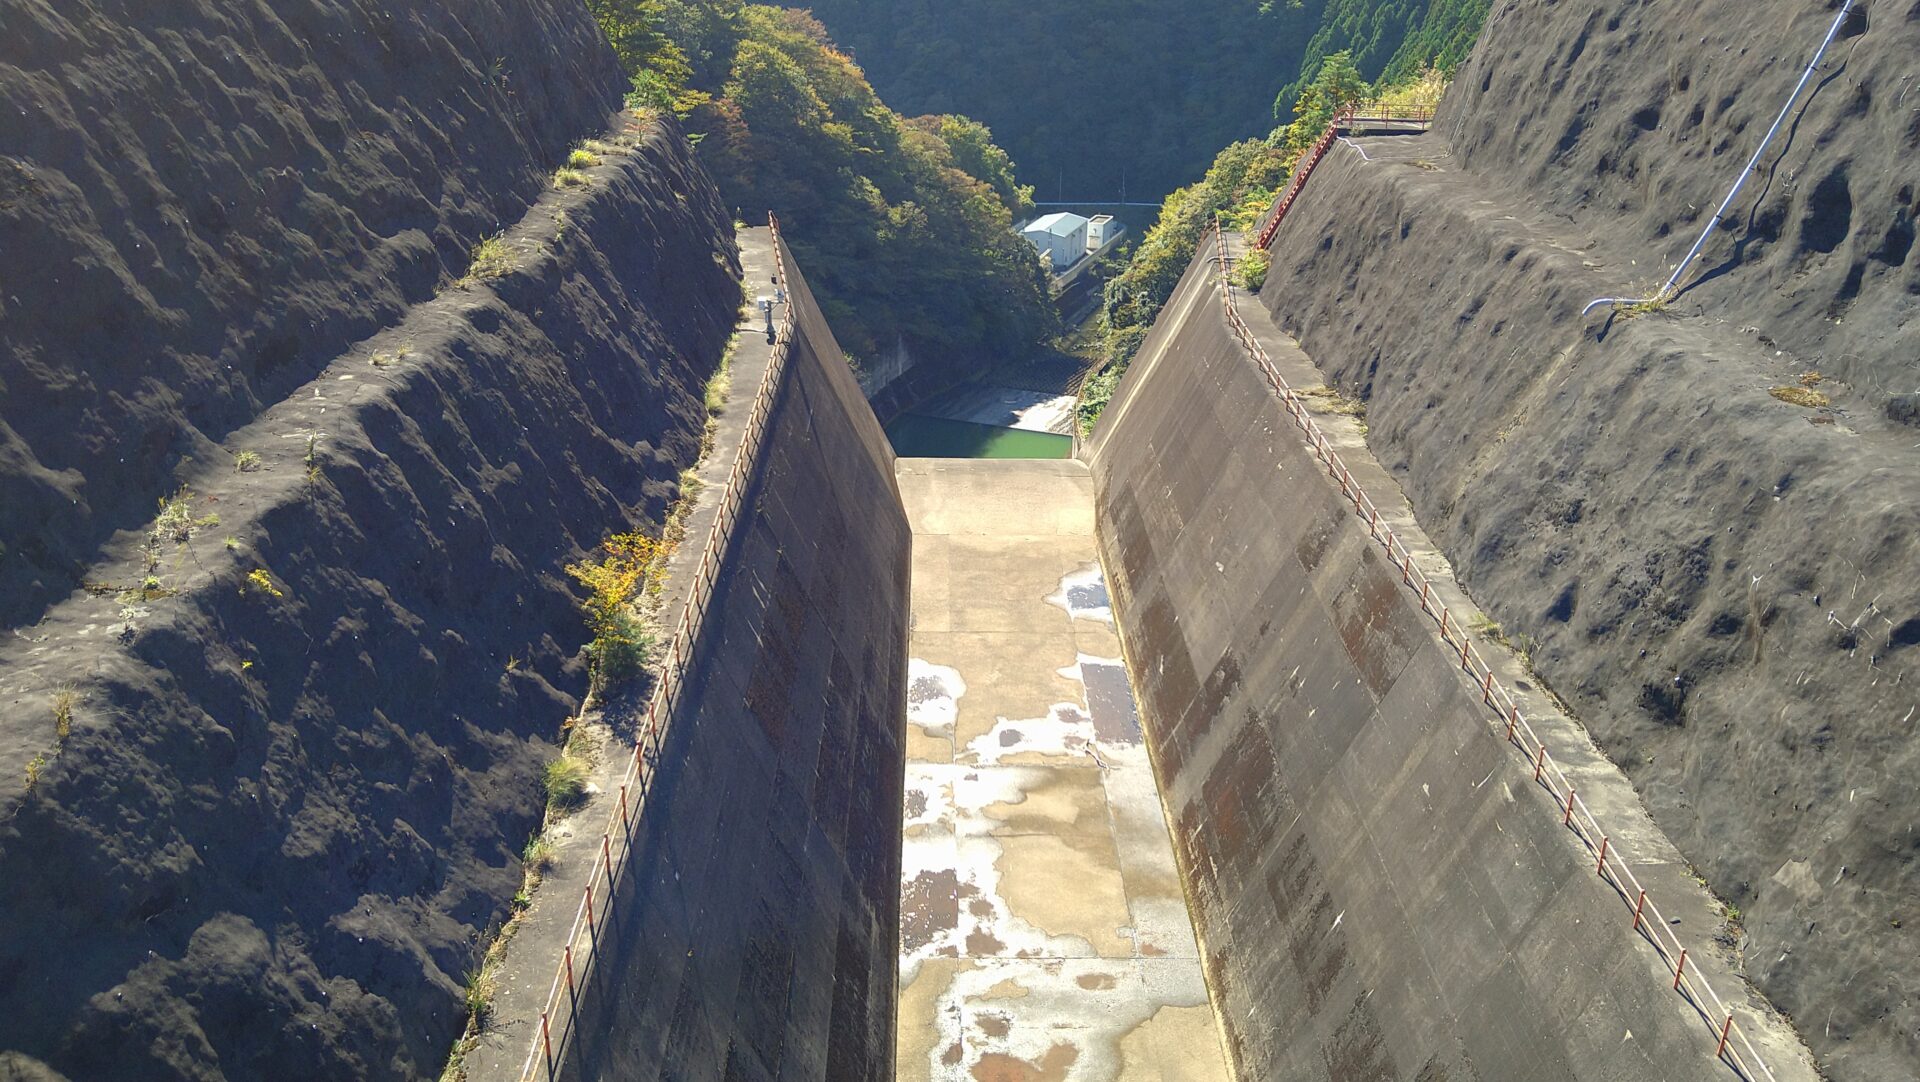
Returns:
point(565, 781)
point(491, 259)
point(1802, 396)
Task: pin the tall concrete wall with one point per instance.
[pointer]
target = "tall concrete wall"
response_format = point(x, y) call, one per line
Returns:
point(756, 934)
point(1719, 581)
point(1378, 891)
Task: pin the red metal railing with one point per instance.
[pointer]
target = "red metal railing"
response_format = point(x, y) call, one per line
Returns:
point(1298, 182)
point(1574, 813)
point(1342, 121)
point(616, 842)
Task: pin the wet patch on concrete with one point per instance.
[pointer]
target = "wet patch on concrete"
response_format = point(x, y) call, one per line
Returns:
point(1116, 719)
point(1036, 855)
point(1084, 595)
point(933, 697)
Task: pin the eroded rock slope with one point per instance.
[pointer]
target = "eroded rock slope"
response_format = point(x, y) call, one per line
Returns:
point(204, 202)
point(304, 740)
point(1720, 582)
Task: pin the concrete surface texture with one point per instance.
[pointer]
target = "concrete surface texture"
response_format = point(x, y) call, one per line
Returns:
point(1719, 581)
point(1045, 934)
point(1380, 892)
point(754, 934)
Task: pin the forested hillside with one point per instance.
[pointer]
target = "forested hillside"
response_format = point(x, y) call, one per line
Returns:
point(1390, 40)
point(1088, 97)
point(905, 226)
point(1091, 98)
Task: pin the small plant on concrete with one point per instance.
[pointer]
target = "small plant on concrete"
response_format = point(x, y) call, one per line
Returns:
point(565, 780)
point(719, 386)
point(491, 259)
point(582, 159)
point(247, 461)
point(174, 525)
point(568, 177)
point(1802, 396)
point(64, 700)
point(1325, 399)
point(1251, 271)
point(479, 993)
point(620, 642)
point(35, 766)
point(537, 856)
point(1656, 303)
point(388, 358)
point(260, 581)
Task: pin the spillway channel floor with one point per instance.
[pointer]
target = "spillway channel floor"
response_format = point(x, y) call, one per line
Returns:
point(1044, 933)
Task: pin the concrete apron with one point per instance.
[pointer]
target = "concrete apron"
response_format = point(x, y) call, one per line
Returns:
point(1044, 931)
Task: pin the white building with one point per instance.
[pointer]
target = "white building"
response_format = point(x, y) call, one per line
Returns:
point(1062, 238)
point(1101, 229)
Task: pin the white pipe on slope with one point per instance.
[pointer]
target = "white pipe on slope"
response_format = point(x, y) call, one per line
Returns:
point(1667, 291)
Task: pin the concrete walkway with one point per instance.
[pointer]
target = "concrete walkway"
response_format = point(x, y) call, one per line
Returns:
point(1044, 933)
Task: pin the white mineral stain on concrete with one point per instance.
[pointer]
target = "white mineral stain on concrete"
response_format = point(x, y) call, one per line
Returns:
point(1044, 932)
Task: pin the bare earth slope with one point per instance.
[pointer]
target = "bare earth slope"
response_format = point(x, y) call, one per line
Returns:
point(203, 202)
point(304, 741)
point(1720, 583)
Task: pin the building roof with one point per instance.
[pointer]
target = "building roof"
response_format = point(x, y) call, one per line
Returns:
point(1058, 225)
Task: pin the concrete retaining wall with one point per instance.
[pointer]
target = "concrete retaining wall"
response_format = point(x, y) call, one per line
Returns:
point(757, 931)
point(1378, 891)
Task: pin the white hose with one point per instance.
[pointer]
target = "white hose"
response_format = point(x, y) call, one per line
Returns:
point(1667, 291)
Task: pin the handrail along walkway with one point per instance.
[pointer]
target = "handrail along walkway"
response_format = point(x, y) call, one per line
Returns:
point(1575, 815)
point(616, 842)
point(1344, 120)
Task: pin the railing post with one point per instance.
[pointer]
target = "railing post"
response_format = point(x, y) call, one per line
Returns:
point(1639, 906)
point(1680, 969)
point(1600, 869)
point(1567, 819)
point(1726, 1030)
point(1539, 762)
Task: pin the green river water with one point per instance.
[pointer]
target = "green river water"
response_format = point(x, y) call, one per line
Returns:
point(915, 436)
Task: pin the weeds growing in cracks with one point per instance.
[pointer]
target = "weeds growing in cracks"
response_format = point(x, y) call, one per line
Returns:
point(614, 582)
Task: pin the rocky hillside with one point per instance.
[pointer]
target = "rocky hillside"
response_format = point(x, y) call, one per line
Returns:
point(1702, 519)
point(268, 758)
point(218, 199)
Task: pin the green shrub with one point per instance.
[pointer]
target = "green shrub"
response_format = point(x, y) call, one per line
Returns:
point(565, 780)
point(491, 259)
point(620, 641)
point(582, 159)
point(1251, 271)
